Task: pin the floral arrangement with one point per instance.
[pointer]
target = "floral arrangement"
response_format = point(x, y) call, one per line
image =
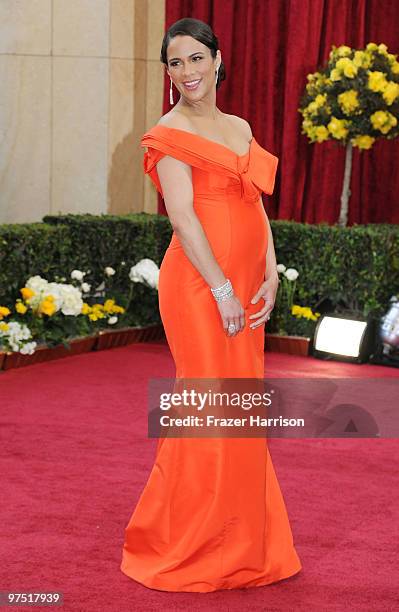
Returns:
point(14, 336)
point(55, 312)
point(288, 318)
point(353, 100)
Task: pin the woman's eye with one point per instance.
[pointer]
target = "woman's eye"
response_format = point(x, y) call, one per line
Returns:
point(175, 63)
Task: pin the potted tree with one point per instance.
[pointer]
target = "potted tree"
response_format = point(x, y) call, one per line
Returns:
point(352, 100)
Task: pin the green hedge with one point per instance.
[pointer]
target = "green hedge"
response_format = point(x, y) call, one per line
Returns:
point(358, 265)
point(27, 249)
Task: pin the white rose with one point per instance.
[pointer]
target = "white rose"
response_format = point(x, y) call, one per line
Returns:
point(71, 300)
point(25, 333)
point(55, 289)
point(10, 326)
point(77, 275)
point(147, 271)
point(112, 320)
point(291, 274)
point(134, 276)
point(36, 283)
point(39, 286)
point(28, 348)
point(85, 287)
point(281, 268)
point(109, 271)
point(16, 334)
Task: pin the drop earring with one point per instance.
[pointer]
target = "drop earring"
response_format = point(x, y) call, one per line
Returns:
point(171, 92)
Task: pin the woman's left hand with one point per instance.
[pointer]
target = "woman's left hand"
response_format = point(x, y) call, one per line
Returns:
point(267, 291)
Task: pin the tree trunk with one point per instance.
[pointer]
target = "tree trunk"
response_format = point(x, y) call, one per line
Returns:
point(343, 214)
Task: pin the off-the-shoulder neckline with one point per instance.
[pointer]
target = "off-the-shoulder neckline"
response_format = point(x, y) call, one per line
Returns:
point(208, 140)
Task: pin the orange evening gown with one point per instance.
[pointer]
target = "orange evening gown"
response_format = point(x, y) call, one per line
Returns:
point(211, 515)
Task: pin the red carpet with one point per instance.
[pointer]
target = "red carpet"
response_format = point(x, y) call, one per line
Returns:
point(75, 457)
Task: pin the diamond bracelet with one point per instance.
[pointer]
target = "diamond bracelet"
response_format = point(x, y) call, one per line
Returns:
point(223, 292)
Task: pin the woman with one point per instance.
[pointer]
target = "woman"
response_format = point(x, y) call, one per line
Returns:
point(211, 515)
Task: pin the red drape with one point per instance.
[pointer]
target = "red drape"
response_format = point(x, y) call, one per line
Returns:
point(268, 47)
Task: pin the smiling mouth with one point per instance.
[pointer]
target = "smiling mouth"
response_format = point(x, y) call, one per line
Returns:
point(192, 84)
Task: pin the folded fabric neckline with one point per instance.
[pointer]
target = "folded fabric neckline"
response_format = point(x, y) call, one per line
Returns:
point(209, 140)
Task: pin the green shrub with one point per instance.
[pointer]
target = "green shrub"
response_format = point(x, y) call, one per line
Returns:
point(357, 265)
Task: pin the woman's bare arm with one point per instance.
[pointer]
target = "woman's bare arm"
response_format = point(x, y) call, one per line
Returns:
point(176, 181)
point(271, 263)
point(269, 287)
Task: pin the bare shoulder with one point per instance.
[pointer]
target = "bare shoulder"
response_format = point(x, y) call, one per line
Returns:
point(177, 120)
point(241, 124)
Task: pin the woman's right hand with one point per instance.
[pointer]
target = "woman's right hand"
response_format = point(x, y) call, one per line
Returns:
point(232, 311)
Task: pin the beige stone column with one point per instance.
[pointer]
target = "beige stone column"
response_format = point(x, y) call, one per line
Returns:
point(81, 81)
point(136, 95)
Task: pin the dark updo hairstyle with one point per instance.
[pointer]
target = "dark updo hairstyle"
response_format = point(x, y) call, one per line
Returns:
point(199, 30)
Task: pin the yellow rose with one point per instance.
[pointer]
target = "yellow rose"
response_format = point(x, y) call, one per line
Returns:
point(382, 48)
point(345, 65)
point(27, 293)
point(85, 309)
point(321, 133)
point(46, 307)
point(4, 326)
point(383, 121)
point(371, 47)
point(20, 307)
point(4, 311)
point(109, 305)
point(344, 50)
point(363, 141)
point(391, 92)
point(361, 59)
point(342, 63)
point(312, 107)
point(93, 317)
point(348, 101)
point(321, 99)
point(337, 128)
point(376, 81)
point(395, 67)
point(335, 75)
